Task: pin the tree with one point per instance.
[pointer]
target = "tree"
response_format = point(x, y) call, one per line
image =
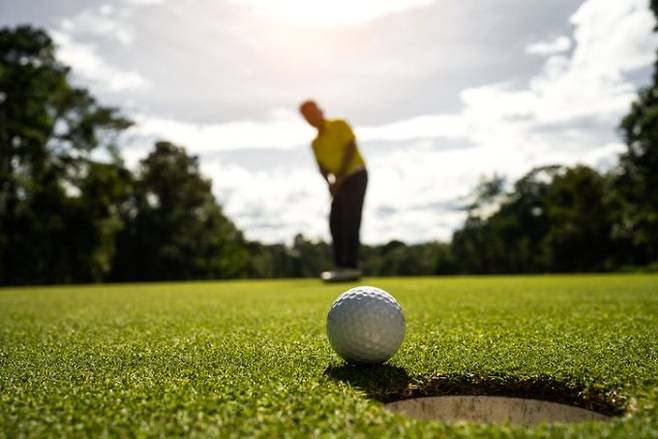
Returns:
point(175, 230)
point(556, 219)
point(509, 240)
point(580, 219)
point(310, 258)
point(395, 258)
point(487, 196)
point(48, 130)
point(637, 181)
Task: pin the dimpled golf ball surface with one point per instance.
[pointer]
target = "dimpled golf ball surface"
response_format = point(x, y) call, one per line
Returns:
point(365, 325)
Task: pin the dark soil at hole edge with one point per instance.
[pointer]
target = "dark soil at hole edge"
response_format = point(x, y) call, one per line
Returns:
point(595, 398)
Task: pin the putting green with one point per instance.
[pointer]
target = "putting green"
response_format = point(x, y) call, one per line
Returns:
point(251, 358)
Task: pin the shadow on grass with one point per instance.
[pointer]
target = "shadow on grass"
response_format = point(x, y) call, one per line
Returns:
point(382, 382)
point(388, 383)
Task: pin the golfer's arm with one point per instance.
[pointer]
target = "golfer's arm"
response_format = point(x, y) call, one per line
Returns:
point(350, 151)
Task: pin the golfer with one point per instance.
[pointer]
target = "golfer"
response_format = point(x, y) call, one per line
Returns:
point(344, 170)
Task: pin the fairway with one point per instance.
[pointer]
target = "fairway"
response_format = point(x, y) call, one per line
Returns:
point(249, 358)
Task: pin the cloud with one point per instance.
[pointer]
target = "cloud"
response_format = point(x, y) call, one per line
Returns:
point(421, 167)
point(271, 206)
point(415, 190)
point(79, 37)
point(283, 129)
point(432, 126)
point(333, 13)
point(611, 38)
point(88, 64)
point(104, 21)
point(614, 34)
point(143, 2)
point(549, 47)
point(567, 114)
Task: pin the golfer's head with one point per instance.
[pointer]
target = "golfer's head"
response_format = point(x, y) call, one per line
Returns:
point(312, 113)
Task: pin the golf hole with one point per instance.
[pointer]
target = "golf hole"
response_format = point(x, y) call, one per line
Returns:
point(485, 399)
point(491, 410)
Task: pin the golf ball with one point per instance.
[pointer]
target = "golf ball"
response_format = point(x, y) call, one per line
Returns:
point(365, 325)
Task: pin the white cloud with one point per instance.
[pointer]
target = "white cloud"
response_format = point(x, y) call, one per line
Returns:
point(283, 129)
point(413, 193)
point(78, 39)
point(567, 113)
point(104, 21)
point(88, 64)
point(614, 36)
point(549, 47)
point(330, 13)
point(143, 2)
point(434, 126)
point(271, 206)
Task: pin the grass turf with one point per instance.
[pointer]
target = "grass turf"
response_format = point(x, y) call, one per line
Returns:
point(251, 358)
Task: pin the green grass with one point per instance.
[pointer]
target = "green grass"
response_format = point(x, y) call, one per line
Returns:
point(252, 358)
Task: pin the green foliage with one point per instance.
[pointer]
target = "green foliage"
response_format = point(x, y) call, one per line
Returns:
point(556, 219)
point(637, 179)
point(398, 259)
point(270, 261)
point(245, 359)
point(487, 194)
point(63, 214)
point(174, 228)
point(579, 237)
point(51, 230)
point(308, 259)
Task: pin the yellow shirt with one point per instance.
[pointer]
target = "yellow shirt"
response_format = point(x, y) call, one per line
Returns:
point(331, 144)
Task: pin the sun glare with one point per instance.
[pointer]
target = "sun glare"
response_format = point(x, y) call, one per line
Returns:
point(330, 13)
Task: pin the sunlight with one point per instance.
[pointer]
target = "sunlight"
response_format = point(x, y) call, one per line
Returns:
point(309, 13)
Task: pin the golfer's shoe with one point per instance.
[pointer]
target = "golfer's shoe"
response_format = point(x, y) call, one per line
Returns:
point(341, 275)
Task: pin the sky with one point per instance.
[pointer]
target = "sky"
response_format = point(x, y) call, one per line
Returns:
point(440, 93)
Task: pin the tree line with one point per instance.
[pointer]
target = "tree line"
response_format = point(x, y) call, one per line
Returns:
point(67, 216)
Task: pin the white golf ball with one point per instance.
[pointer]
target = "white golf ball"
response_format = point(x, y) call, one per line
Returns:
point(365, 325)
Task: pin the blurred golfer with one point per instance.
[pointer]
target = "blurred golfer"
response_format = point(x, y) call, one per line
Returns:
point(344, 170)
